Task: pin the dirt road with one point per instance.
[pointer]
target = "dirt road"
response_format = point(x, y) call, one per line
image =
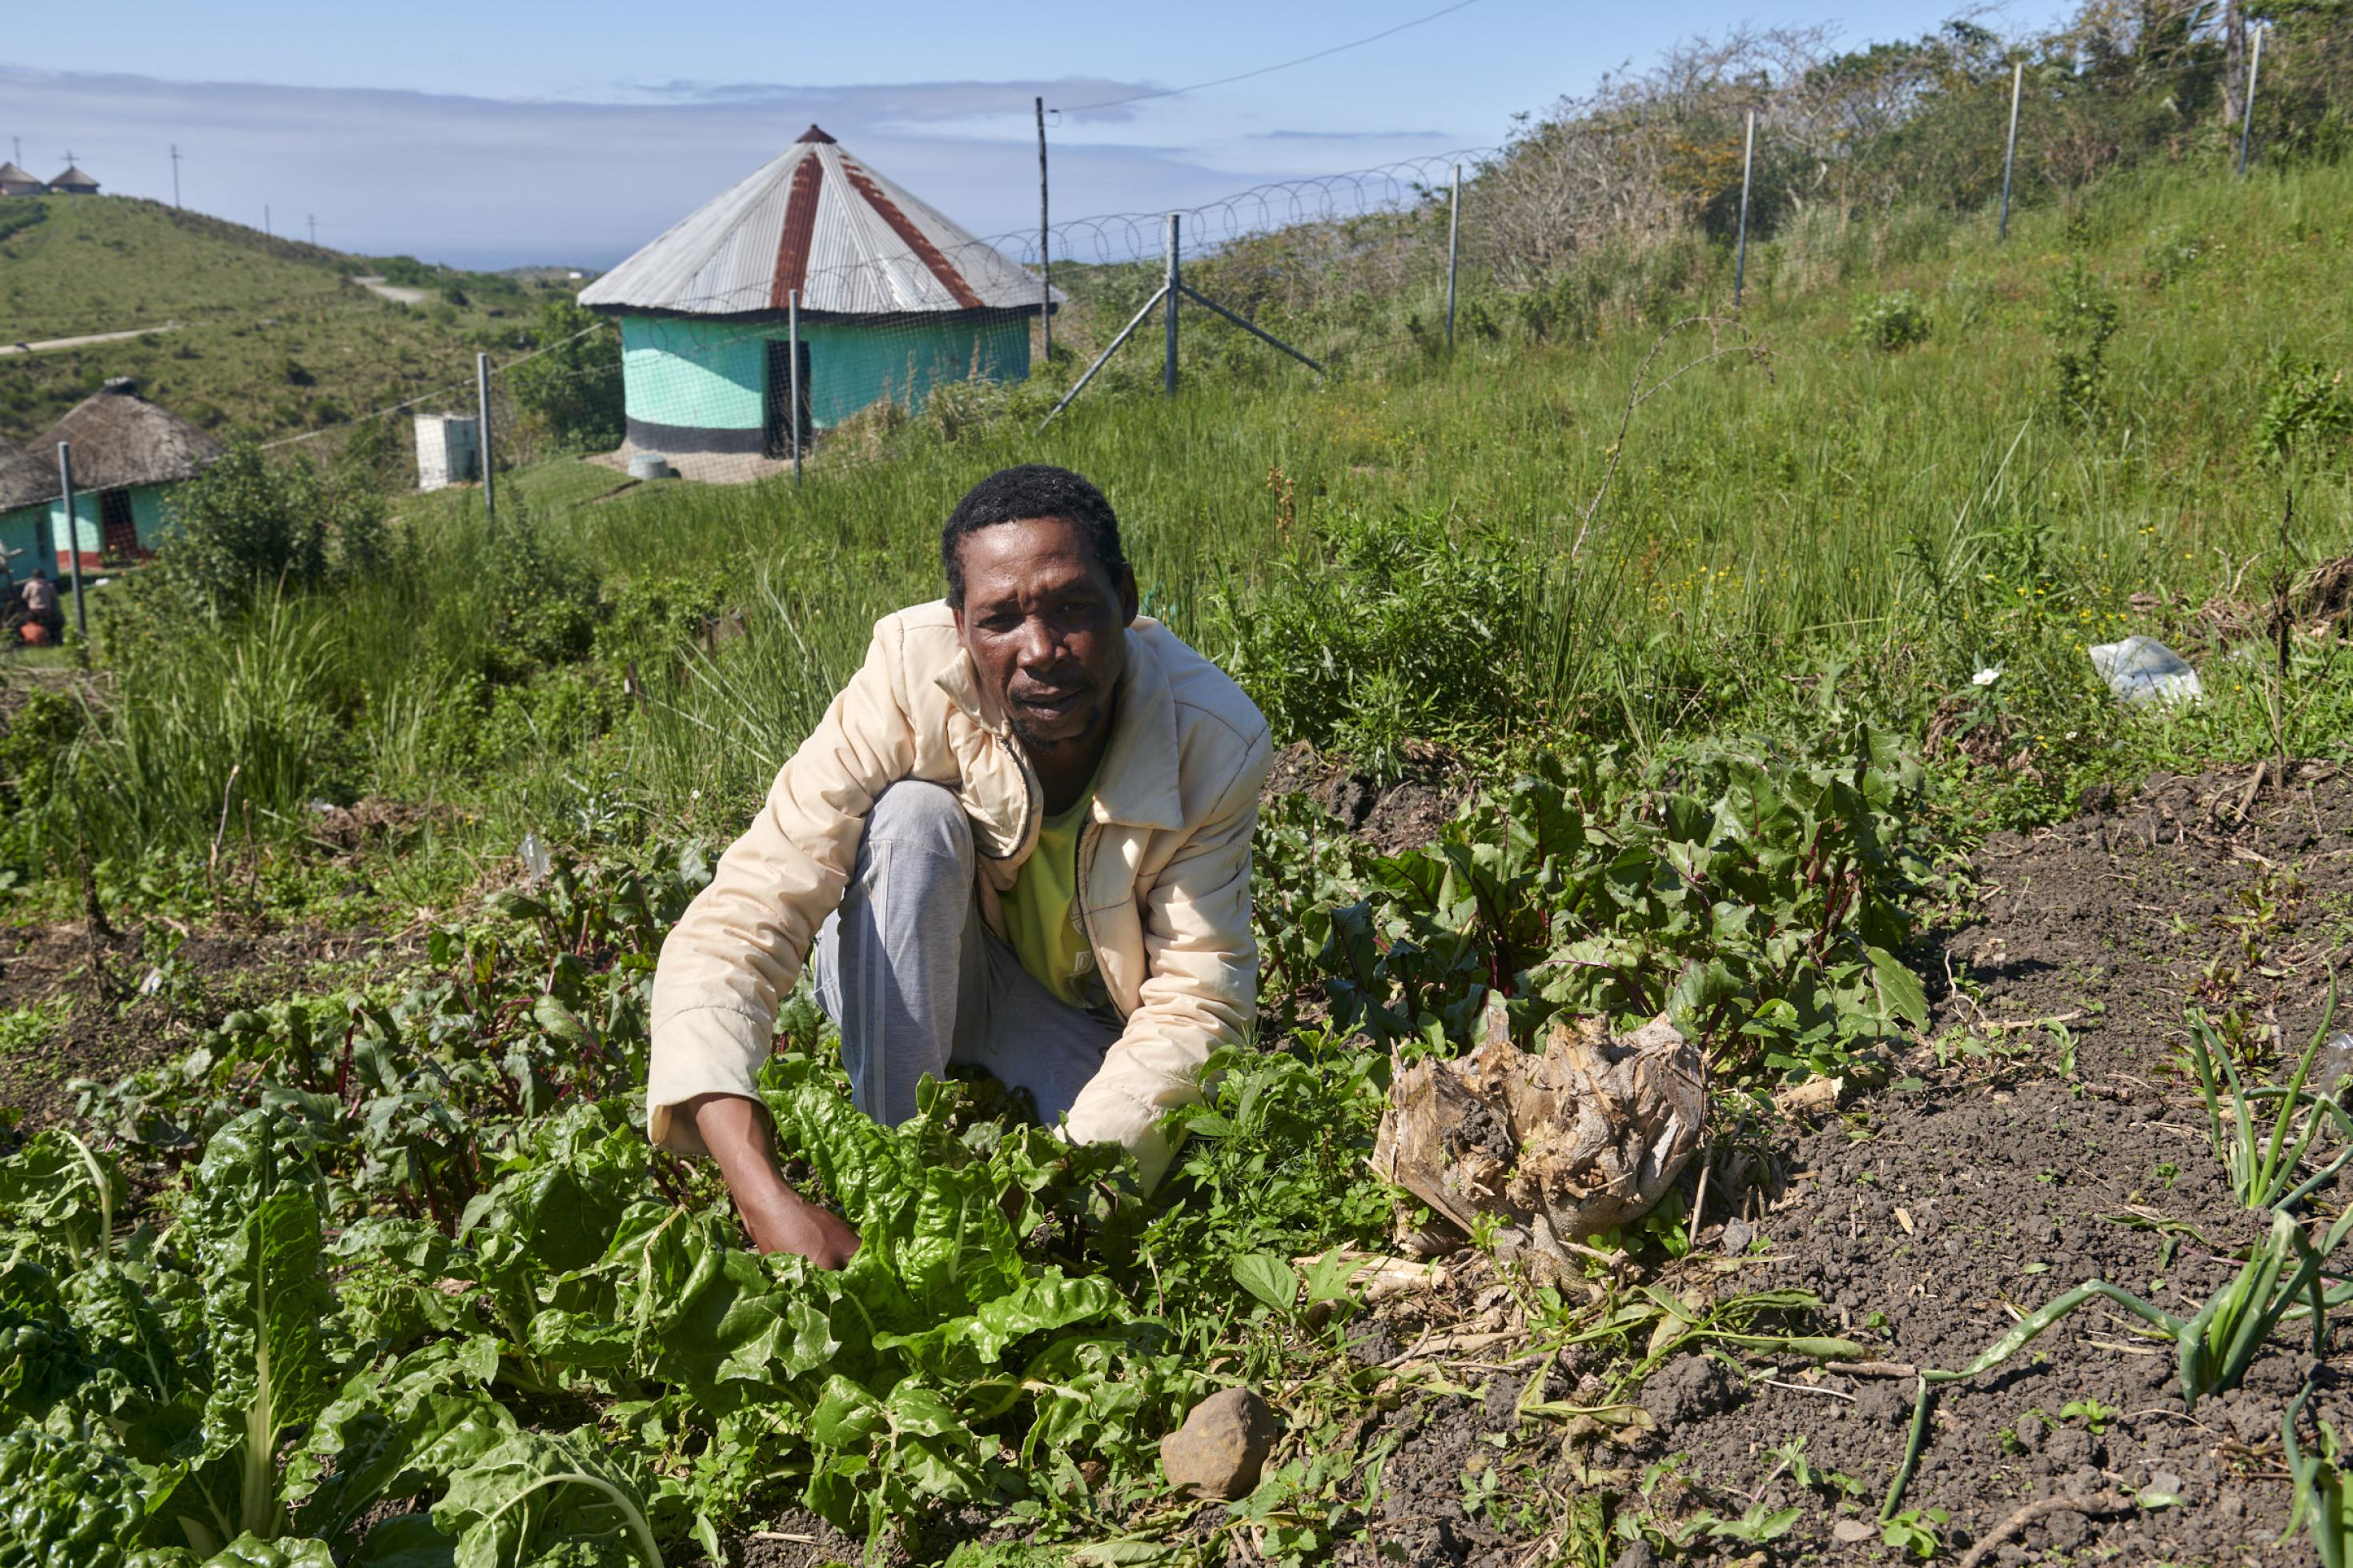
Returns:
point(392, 291)
point(48, 344)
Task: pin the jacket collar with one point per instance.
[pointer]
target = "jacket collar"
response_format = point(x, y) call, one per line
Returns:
point(1136, 786)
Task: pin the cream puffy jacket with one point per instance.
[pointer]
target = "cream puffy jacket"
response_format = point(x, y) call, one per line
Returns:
point(1164, 870)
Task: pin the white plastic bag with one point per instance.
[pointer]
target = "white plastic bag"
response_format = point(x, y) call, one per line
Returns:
point(2143, 670)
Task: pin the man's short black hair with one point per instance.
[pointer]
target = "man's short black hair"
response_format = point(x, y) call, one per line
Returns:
point(1033, 490)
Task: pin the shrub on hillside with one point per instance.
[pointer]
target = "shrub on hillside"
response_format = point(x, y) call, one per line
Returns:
point(2081, 318)
point(1892, 322)
point(1392, 631)
point(570, 390)
point(545, 604)
point(2306, 405)
point(248, 522)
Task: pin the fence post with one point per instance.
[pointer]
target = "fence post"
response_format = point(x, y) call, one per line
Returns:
point(1453, 250)
point(1168, 375)
point(73, 535)
point(1045, 263)
point(483, 443)
point(793, 353)
point(2010, 153)
point(2247, 125)
point(1747, 161)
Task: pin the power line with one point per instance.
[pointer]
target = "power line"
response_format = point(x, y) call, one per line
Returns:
point(1263, 70)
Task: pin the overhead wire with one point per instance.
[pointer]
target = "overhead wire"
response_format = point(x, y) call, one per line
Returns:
point(1265, 70)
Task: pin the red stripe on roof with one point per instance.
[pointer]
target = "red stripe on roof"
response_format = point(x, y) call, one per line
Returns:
point(800, 224)
point(926, 251)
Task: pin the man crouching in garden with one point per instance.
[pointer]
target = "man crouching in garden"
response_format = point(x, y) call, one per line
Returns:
point(1019, 840)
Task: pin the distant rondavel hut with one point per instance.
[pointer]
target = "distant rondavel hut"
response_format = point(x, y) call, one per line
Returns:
point(17, 181)
point(74, 182)
point(894, 298)
point(27, 486)
point(127, 455)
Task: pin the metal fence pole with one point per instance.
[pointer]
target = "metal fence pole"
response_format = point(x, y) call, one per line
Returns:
point(1747, 161)
point(73, 535)
point(1453, 250)
point(2247, 125)
point(2010, 153)
point(1045, 263)
point(483, 443)
point(793, 353)
point(1168, 376)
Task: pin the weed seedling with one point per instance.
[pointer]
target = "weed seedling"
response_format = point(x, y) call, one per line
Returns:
point(1911, 1532)
point(2095, 1415)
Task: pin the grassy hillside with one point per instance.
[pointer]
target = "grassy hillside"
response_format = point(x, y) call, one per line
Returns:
point(273, 336)
point(1389, 555)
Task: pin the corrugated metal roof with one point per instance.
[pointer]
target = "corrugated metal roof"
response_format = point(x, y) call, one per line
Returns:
point(815, 219)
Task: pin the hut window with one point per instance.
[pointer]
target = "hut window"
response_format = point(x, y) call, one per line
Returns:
point(118, 529)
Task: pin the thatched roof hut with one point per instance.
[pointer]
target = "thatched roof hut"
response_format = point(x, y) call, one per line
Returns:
point(25, 479)
point(17, 181)
point(74, 182)
point(120, 439)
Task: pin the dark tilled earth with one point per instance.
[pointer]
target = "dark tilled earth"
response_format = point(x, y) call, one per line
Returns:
point(1932, 1213)
point(133, 998)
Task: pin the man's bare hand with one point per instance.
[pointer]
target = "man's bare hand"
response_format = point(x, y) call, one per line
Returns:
point(735, 1131)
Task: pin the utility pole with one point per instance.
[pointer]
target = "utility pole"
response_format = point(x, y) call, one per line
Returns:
point(2010, 155)
point(73, 530)
point(2247, 125)
point(1453, 249)
point(313, 218)
point(483, 444)
point(175, 176)
point(1045, 262)
point(1170, 287)
point(1747, 162)
point(268, 240)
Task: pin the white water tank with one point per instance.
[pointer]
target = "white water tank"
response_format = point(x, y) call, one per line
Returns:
point(448, 450)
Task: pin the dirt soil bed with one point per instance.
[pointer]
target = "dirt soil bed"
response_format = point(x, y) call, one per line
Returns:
point(1931, 1213)
point(104, 1009)
point(1391, 817)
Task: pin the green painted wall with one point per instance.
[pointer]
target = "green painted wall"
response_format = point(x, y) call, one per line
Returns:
point(713, 376)
point(701, 375)
point(24, 529)
point(147, 502)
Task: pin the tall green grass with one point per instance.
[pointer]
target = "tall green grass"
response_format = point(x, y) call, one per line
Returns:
point(1832, 520)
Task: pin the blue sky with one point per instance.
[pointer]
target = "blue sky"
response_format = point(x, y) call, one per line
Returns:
point(494, 136)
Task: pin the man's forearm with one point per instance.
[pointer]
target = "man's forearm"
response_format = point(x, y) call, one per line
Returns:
point(735, 1130)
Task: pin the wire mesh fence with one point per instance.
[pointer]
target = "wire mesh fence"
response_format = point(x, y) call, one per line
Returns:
point(1740, 172)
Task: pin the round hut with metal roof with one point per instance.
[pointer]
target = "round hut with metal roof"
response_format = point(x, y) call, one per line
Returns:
point(895, 297)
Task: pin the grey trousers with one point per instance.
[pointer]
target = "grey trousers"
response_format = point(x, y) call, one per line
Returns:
point(915, 980)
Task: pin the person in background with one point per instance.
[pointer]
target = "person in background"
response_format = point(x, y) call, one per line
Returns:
point(1019, 840)
point(41, 611)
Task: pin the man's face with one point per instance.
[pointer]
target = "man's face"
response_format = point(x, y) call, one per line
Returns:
point(1046, 625)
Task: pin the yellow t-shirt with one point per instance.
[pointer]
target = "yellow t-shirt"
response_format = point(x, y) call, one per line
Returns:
point(1043, 917)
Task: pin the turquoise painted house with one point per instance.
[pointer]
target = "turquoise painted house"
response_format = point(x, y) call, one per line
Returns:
point(28, 487)
point(893, 299)
point(128, 455)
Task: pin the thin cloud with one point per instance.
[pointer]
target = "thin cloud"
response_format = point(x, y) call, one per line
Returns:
point(482, 182)
point(1348, 136)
